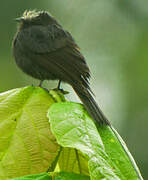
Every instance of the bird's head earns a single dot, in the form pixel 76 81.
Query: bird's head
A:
pixel 30 18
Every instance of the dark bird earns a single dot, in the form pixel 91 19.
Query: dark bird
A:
pixel 45 51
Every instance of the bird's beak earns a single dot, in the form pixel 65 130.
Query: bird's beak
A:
pixel 19 19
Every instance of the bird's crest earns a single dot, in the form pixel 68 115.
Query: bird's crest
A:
pixel 28 14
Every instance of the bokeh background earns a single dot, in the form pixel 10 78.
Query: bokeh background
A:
pixel 113 36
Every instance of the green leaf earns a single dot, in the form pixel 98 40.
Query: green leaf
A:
pixel 55 176
pixel 72 160
pixel 27 145
pixel 69 176
pixel 107 159
pixel 42 176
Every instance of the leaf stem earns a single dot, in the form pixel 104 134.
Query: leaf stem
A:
pixel 77 156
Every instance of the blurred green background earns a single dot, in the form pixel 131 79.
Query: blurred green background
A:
pixel 113 36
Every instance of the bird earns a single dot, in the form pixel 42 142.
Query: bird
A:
pixel 43 49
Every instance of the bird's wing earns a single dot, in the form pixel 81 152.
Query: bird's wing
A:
pixel 55 47
pixel 45 39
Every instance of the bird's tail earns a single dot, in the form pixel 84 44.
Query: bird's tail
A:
pixel 91 105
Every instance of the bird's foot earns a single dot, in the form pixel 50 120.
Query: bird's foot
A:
pixel 40 84
pixel 59 84
pixel 61 90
